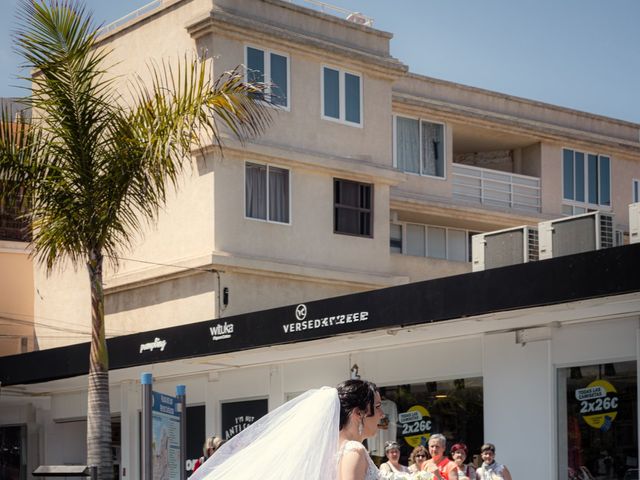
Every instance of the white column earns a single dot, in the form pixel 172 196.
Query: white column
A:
pixel 130 438
pixel 518 406
pixel 276 387
pixel 212 402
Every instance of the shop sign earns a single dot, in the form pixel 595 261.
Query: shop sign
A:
pixel 415 425
pixel 303 324
pixel 151 346
pixel 598 404
pixel 221 331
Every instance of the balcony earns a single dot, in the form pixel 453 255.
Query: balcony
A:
pixel 494 188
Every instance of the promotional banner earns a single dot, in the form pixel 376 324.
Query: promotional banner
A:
pixel 415 425
pixel 598 404
pixel 165 437
pixel 236 416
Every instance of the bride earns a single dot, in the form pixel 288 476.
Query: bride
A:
pixel 316 436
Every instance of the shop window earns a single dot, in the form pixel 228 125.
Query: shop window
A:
pixel 13 452
pixel 13 225
pixel 597 422
pixel 353 204
pixel 416 411
pixel 586 182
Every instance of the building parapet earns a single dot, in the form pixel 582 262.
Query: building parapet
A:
pixel 518 106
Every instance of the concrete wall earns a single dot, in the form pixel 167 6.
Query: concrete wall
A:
pixel 16 298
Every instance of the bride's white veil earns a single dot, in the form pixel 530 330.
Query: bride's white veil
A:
pixel 298 440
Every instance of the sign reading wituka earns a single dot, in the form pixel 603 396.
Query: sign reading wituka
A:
pixel 166 437
pixel 598 404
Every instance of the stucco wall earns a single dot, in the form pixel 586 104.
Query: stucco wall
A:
pixel 16 298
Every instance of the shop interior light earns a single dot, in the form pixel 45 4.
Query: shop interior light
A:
pixel 441 395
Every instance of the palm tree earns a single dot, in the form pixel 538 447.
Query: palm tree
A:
pixel 94 167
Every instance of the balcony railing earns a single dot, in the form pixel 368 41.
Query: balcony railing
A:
pixel 497 189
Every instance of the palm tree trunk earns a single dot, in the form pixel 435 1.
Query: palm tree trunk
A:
pixel 98 411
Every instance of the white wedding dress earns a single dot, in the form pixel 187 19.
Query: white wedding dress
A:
pixel 297 441
pixel 372 471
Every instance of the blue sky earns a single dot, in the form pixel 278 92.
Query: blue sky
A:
pixel 582 54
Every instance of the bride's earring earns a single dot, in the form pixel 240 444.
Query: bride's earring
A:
pixel 361 426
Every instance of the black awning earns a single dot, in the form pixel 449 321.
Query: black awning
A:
pixel 608 272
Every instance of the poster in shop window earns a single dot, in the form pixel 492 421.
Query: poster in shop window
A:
pixel 598 404
pixel 415 425
pixel 236 416
pixel 165 442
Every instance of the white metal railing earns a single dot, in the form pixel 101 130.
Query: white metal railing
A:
pixel 495 188
pixel 350 15
pixel 130 16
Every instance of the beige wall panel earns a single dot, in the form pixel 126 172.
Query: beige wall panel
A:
pixel 133 48
pixel 63 300
pixel 311 228
pixel 551 179
pixel 421 268
pixel 302 125
pixel 164 304
pixel 314 24
pixel 531 160
pixel 249 293
pixel 623 171
pixel 16 298
pixel 185 227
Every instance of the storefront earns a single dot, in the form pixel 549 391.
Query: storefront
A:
pixel 547 371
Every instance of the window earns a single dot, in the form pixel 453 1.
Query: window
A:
pixel 352 208
pixel 586 181
pixel 273 69
pixel 598 423
pixel 431 241
pixel 341 96
pixel 635 190
pixel 13 225
pixel 395 240
pixel 267 192
pixel 454 407
pixel 419 147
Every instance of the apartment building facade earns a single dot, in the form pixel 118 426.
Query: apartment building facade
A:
pixel 370 177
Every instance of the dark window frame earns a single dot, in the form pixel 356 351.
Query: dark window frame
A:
pixel 338 207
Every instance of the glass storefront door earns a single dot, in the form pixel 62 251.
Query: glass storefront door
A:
pixel 13 455
pixel 597 420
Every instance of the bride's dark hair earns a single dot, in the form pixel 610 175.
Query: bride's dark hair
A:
pixel 356 393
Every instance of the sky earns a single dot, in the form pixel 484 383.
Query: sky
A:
pixel 580 54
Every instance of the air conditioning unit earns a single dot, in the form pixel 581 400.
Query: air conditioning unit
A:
pixel 634 223
pixel 576 234
pixel 504 247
